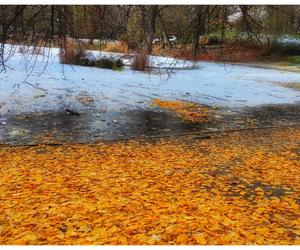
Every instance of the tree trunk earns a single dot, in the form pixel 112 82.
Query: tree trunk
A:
pixel 199 14
pixel 151 28
pixel 165 34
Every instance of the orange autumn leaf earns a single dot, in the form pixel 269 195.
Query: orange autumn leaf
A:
pixel 200 239
pixel 182 239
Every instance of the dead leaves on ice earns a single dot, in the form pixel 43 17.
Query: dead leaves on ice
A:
pixel 238 189
pixel 188 111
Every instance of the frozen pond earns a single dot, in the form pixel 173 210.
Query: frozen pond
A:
pixel 57 87
pixel 118 104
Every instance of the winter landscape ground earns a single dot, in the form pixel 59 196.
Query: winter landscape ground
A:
pixel 113 104
pixel 187 153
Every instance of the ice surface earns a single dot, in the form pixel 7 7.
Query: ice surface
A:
pixel 53 86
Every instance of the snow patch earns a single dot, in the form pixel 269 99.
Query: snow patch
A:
pixel 45 84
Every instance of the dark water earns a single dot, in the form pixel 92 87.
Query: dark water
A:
pixel 61 127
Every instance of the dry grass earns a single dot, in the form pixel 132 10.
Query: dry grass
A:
pixel 72 53
pixel 229 53
pixel 117 47
pixel 141 60
pixel 158 50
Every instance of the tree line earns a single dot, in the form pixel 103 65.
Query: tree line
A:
pixel 137 25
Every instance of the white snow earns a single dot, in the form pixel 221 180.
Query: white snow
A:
pixel 56 86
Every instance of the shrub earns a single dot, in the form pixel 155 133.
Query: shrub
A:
pixel 87 62
pixel 294 59
pixel 72 53
pixel 109 63
pixel 203 40
pixel 214 39
pixel 141 60
pixel 132 45
pixel 288 49
pixel 117 47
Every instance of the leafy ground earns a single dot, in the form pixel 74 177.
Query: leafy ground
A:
pixel 237 188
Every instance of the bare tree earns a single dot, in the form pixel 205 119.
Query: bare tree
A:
pixel 199 16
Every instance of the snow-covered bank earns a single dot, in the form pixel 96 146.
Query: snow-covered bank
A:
pixel 51 54
pixel 57 86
